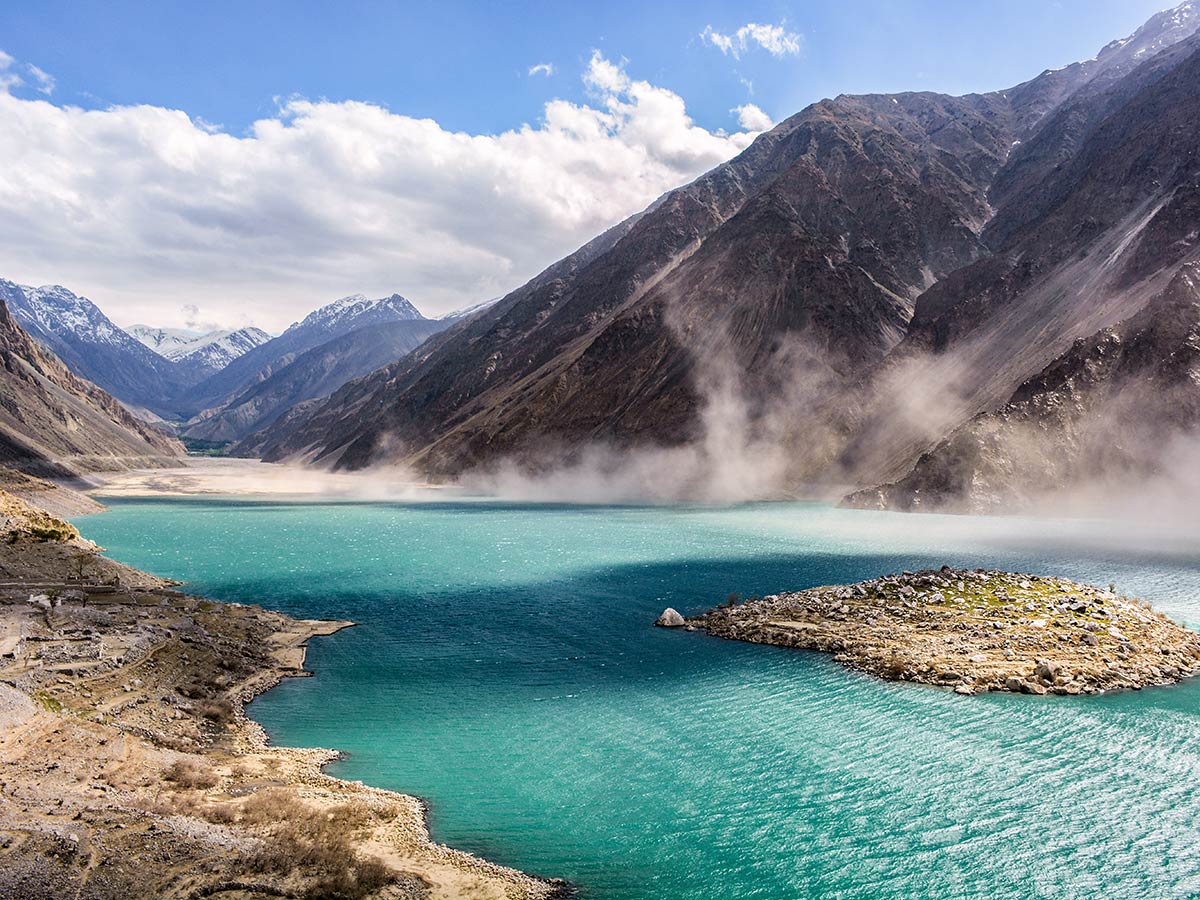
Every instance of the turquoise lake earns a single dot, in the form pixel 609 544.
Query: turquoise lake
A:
pixel 505 670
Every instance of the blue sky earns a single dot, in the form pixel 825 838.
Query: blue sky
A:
pixel 466 64
pixel 236 163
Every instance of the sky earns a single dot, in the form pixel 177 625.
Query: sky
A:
pixel 225 164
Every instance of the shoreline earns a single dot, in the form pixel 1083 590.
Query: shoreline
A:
pixel 132 769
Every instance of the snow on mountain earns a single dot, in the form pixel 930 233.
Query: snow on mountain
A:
pixel 331 321
pixel 467 311
pixel 218 349
pixel 357 309
pixel 165 341
pixel 52 309
pixel 213 349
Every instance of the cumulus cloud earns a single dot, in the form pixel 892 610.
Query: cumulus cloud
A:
pixel 775 39
pixel 752 118
pixel 546 69
pixel 148 210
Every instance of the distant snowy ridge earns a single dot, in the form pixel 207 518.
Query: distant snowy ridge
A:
pixel 214 349
pixel 357 308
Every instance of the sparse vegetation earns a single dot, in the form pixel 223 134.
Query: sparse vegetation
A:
pixel 189 774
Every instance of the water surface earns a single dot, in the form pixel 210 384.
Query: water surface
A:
pixel 504 669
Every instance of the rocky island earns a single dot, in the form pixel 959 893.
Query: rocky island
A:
pixel 973 631
pixel 128 768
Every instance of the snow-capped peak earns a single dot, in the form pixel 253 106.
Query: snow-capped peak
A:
pixel 210 350
pixel 1161 30
pixel 357 309
pixel 53 309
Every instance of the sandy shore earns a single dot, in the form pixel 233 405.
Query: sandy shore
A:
pixel 128 768
pixel 251 478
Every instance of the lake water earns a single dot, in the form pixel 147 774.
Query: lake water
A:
pixel 505 669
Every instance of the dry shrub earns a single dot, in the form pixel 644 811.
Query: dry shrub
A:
pixel 189 774
pixel 218 711
pixel 315 845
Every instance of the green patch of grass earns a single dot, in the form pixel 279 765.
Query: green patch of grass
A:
pixel 46 702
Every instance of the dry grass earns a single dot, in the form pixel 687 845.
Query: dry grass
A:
pixel 188 774
pixel 319 843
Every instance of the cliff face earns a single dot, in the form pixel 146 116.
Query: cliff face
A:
pixel 861 281
pixel 1121 406
pixel 1084 248
pixel 55 423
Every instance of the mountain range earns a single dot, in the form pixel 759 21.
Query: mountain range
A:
pixel 189 377
pixel 831 306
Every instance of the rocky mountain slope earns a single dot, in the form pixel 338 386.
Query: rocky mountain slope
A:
pixel 863 279
pixel 313 374
pixel 53 423
pixel 91 346
pixel 1123 402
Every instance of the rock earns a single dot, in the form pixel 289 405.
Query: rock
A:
pixel 1046 671
pixel 1090 639
pixel 964 689
pixel 1032 687
pixel 670 619
pixel 1014 684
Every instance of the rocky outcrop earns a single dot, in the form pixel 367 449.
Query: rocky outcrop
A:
pixel 974 631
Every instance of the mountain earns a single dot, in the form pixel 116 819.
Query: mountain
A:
pixel 318 327
pixel 1120 406
pixel 1085 246
pixel 165 341
pixel 863 279
pixel 53 423
pixel 200 353
pixel 313 374
pixel 91 346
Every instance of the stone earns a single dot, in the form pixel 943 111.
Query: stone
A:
pixel 1032 687
pixel 1046 671
pixel 1013 683
pixel 670 619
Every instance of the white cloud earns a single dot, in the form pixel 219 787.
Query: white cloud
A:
pixel 8 77
pixel 546 69
pixel 752 118
pixel 147 210
pixel 775 39
pixel 11 73
pixel 45 83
